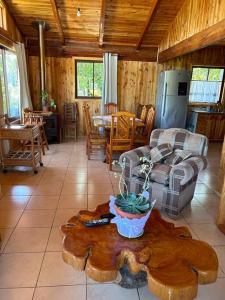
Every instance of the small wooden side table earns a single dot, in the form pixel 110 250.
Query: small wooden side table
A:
pixel 174 262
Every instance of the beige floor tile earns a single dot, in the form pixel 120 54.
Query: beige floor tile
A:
pixel 208 200
pixel 213 291
pixel 76 170
pixel 62 216
pixel 55 271
pixel 48 189
pixel 17 294
pixel 196 214
pixel 17 190
pixel 75 178
pixel 96 179
pixel 110 292
pixel 220 251
pixel 209 233
pixel 37 218
pixel 73 201
pixel 78 164
pixel 9 218
pixel 55 240
pixel 28 240
pixel 13 202
pixel 43 202
pixel 145 294
pixel 100 189
pixel 4 234
pixel 95 200
pixel 74 189
pixel 97 164
pixel 19 269
pixel 201 188
pixel 77 292
pixel 98 172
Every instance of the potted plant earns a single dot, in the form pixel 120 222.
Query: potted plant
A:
pixel 132 210
pixel 44 99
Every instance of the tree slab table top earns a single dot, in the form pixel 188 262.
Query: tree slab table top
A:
pixel 174 262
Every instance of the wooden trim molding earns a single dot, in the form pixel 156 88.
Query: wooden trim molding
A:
pixel 102 23
pixel 58 21
pixel 151 14
pixel 197 41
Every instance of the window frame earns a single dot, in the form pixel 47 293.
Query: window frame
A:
pixel 2 16
pixel 222 85
pixel 76 61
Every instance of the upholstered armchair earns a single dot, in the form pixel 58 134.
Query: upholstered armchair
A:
pixel 172 185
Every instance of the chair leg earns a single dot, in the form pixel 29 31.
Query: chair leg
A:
pixel 45 139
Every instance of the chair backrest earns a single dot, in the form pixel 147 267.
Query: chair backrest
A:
pixel 110 108
pixel 143 113
pixel 149 122
pixel 87 119
pixel 122 128
pixel 180 138
pixel 139 108
pixel 69 112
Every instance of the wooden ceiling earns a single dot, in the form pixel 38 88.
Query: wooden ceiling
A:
pixel 125 26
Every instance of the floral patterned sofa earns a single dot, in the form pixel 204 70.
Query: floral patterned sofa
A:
pixel 172 185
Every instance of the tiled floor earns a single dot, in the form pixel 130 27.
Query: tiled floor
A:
pixel 32 208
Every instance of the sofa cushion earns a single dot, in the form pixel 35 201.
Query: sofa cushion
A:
pixel 159 152
pixel 177 156
pixel 160 173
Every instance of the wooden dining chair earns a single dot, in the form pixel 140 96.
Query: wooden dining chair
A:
pixel 121 135
pixel 94 140
pixel 142 110
pixel 69 125
pixel 143 139
pixel 110 108
pixel 31 119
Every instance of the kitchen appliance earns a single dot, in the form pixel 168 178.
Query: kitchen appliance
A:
pixel 172 99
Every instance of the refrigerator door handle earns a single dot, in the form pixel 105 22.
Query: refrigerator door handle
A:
pixel 164 100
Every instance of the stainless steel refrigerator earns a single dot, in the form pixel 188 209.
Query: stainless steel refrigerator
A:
pixel 172 99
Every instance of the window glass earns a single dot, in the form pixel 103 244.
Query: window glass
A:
pixel 206 84
pixel 89 76
pixel 10 85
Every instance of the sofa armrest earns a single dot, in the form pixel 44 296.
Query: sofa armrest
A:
pixel 132 159
pixel 186 170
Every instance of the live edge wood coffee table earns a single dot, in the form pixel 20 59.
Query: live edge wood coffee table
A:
pixel 172 263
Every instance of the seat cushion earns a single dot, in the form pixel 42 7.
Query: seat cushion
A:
pixel 160 173
pixel 160 152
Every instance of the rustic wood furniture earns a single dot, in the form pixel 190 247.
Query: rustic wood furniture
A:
pixel 121 135
pixel 33 119
pixel 174 262
pixel 110 108
pixel 95 141
pixel 143 137
pixel 106 120
pixel 13 157
pixel 69 124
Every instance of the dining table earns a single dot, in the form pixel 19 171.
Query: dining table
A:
pixel 104 121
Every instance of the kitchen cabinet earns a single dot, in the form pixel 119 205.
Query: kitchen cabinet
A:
pixel 210 124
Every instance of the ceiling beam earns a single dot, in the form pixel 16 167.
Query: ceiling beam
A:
pixel 202 39
pixel 58 21
pixel 151 14
pixel 102 23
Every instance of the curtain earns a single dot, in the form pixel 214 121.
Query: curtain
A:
pixel 25 99
pixel 109 91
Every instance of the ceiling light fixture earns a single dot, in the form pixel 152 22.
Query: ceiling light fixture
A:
pixel 78 11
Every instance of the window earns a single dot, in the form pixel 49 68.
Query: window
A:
pixel 89 78
pixel 206 84
pixel 10 86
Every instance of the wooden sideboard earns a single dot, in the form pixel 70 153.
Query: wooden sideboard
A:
pixel 211 124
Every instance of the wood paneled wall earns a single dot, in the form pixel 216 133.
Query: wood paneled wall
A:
pixel 194 16
pixel 136 84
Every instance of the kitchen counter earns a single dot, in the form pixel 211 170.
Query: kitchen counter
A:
pixel 199 111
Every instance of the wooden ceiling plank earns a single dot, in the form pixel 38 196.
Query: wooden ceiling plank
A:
pixel 202 39
pixel 151 14
pixel 102 23
pixel 58 21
